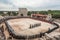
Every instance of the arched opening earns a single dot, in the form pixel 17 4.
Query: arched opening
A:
pixel 21 14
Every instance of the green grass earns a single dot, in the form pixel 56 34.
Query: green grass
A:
pixel 55 13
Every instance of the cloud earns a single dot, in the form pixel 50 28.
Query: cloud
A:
pixel 33 4
pixel 28 3
pixel 36 4
pixel 6 6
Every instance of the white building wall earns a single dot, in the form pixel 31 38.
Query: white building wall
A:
pixel 23 11
pixel 49 17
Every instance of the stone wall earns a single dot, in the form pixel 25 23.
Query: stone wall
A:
pixel 22 12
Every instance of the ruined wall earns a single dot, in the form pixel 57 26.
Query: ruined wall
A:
pixel 23 11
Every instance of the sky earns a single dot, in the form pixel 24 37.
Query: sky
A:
pixel 31 5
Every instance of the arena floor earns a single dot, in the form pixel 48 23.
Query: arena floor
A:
pixel 22 25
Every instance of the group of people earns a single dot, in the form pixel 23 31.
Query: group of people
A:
pixel 35 25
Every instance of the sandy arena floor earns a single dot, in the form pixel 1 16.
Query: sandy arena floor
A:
pixel 21 26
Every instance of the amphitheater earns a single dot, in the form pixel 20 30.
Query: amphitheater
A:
pixel 28 28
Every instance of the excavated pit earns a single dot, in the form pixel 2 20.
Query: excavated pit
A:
pixel 23 28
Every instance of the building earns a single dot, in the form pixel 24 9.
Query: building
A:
pixel 43 17
pixel 22 12
pixel 40 16
pixel 49 17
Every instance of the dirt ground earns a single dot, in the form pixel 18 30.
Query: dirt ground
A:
pixel 21 26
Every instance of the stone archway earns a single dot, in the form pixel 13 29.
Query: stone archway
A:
pixel 21 14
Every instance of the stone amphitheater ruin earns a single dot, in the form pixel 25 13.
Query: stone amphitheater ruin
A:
pixel 22 27
pixel 28 28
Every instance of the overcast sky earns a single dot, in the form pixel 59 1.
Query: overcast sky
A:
pixel 30 4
